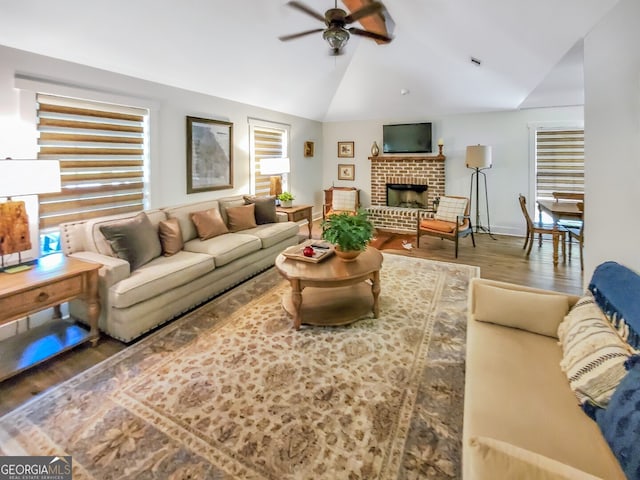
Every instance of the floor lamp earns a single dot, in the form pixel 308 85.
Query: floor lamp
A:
pixel 479 159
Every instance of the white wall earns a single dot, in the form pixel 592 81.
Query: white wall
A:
pixel 612 139
pixel 169 108
pixel 507 132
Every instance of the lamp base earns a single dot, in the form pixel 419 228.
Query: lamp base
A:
pixel 275 185
pixel 20 267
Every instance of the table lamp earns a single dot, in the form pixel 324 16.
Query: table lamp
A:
pixel 18 178
pixel 275 167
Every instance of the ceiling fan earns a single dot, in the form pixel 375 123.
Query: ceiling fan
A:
pixel 336 20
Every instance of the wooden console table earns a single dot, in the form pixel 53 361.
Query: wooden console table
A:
pixel 54 280
pixel 298 212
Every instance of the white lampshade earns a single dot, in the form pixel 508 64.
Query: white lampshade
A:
pixel 478 156
pixel 274 166
pixel 29 177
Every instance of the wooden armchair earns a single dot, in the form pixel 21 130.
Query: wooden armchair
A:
pixel 451 221
pixel 339 200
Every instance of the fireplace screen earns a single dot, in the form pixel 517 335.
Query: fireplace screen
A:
pixel 407 195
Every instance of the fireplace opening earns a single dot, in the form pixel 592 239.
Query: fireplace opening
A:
pixel 407 195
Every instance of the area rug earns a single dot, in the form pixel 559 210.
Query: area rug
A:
pixel 231 391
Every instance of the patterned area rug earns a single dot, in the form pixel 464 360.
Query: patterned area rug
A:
pixel 231 391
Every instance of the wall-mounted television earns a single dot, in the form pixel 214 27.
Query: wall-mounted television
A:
pixel 406 138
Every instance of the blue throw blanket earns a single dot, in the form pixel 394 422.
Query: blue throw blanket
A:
pixel 616 289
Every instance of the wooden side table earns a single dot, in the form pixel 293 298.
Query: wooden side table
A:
pixel 299 212
pixel 54 280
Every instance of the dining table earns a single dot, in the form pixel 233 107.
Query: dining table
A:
pixel 559 210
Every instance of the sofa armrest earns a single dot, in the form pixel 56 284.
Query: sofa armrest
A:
pixel 282 217
pixel 531 309
pixel 113 269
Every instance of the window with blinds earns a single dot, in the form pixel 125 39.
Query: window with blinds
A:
pixel 559 162
pixel 267 142
pixel 101 149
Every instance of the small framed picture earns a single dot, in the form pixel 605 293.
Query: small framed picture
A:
pixel 308 149
pixel 346 149
pixel 346 171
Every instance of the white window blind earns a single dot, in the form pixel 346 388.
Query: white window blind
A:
pixel 559 162
pixel 268 142
pixel 101 149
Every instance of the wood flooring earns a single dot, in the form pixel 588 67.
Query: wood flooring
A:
pixel 500 259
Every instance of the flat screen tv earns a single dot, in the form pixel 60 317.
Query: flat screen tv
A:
pixel 406 138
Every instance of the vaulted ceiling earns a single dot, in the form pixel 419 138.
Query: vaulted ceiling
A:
pixel 530 52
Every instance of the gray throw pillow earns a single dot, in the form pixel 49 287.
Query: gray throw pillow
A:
pixel 133 239
pixel 265 208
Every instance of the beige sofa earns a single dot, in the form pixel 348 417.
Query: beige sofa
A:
pixel 521 419
pixel 133 302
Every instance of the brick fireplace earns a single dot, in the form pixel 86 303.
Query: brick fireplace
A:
pixel 408 172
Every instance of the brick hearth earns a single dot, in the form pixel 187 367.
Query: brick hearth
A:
pixel 398 169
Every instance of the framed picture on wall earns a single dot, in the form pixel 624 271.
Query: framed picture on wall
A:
pixel 346 171
pixel 209 155
pixel 346 149
pixel 308 149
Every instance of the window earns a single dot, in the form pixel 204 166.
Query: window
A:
pixel 268 140
pixel 102 149
pixel 559 162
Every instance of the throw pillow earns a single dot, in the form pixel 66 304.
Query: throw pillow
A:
pixel 170 236
pixel 620 422
pixel 209 223
pixel 490 456
pixel 133 239
pixel 344 200
pixel 450 208
pixel 593 354
pixel 535 312
pixel 265 208
pixel 241 218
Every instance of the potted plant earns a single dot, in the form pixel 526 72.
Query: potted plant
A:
pixel 350 233
pixel 286 199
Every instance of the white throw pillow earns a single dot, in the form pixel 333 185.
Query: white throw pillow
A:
pixel 450 208
pixel 344 200
pixel 493 459
pixel 531 311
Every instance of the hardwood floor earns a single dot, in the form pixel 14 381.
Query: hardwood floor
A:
pixel 500 259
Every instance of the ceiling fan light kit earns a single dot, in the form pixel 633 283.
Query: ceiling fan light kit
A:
pixel 336 20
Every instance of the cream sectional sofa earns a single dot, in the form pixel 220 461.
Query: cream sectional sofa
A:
pixel 521 418
pixel 133 302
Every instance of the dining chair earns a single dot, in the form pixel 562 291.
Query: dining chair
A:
pixel 540 228
pixel 578 235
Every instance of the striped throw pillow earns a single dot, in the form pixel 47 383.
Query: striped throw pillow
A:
pixel 450 208
pixel 344 200
pixel 593 353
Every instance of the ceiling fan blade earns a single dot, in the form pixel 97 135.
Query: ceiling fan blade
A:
pixel 284 38
pixel 365 11
pixel 303 8
pixel 367 33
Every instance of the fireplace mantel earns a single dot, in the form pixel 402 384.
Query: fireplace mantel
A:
pixel 395 158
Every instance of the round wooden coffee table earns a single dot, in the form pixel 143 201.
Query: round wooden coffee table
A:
pixel 331 292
